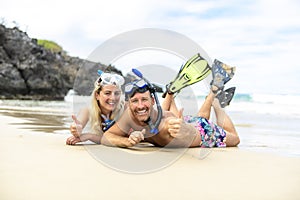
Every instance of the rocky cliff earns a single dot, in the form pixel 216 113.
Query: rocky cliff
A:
pixel 29 71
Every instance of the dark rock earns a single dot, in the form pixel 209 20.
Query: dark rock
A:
pixel 29 71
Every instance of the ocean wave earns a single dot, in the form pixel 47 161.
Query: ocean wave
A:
pixel 267 98
pixel 267 104
pixel 255 103
pixel 261 103
pixel 276 99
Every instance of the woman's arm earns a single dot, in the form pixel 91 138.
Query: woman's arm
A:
pixel 84 137
pixel 79 122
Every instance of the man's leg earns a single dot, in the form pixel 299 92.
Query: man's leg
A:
pixel 169 104
pixel 206 106
pixel 224 121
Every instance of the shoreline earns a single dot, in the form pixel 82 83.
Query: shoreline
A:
pixel 38 165
pixel 258 133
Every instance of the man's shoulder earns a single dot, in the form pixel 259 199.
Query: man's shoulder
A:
pixel 125 115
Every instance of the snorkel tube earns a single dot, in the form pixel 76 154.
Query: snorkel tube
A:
pixel 153 126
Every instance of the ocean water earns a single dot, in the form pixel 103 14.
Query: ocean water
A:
pixel 268 122
pixel 265 123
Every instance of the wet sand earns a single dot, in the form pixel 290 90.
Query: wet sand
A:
pixel 36 164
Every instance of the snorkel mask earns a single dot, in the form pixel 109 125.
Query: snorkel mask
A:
pixel 142 85
pixel 109 79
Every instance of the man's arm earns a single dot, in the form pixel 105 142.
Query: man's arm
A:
pixel 183 134
pixel 114 136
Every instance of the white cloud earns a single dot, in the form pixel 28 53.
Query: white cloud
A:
pixel 257 36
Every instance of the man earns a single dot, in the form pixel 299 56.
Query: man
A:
pixel 173 131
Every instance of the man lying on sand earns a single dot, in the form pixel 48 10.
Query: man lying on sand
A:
pixel 173 131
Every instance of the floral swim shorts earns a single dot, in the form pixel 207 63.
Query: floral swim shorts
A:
pixel 212 135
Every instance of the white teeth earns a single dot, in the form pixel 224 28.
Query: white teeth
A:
pixel 141 112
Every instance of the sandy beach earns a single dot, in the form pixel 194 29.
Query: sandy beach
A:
pixel 38 165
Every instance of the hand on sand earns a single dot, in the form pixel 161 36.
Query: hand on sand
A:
pixel 136 137
pixel 73 140
pixel 83 137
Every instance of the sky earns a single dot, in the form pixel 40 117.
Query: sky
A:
pixel 260 37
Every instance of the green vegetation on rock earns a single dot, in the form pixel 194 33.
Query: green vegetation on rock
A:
pixel 52 46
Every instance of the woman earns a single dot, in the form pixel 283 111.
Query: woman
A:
pixel 107 105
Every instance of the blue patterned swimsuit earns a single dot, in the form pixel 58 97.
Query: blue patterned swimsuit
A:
pixel 212 135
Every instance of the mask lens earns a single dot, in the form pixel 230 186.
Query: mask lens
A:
pixel 129 87
pixel 132 87
pixel 111 79
pixel 141 83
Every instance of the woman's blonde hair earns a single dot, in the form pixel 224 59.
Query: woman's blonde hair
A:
pixel 95 109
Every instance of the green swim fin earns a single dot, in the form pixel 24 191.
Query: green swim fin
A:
pixel 193 71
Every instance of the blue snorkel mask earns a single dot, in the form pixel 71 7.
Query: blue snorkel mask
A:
pixel 142 85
